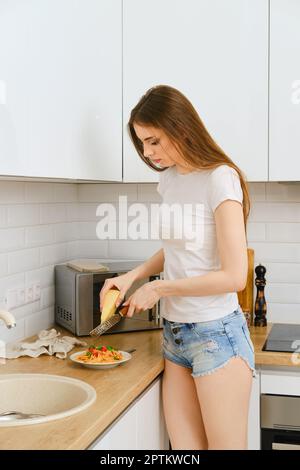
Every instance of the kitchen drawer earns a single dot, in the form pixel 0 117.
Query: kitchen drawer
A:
pixel 280 382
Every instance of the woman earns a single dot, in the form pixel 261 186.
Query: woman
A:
pixel 209 360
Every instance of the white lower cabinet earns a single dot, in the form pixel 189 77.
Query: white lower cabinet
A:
pixel 141 427
pixel 280 382
pixel 254 415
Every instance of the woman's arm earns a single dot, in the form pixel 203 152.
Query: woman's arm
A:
pixel 232 247
pixel 153 265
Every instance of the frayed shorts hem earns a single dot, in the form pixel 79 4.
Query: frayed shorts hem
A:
pixel 178 363
pixel 211 371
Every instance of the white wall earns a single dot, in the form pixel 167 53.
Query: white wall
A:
pixel 273 232
pixel 42 224
pixel 37 230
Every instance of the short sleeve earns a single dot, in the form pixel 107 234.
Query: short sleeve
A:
pixel 224 184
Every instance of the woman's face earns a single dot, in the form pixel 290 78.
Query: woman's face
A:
pixel 159 148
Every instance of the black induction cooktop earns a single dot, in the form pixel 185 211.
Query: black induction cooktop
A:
pixel 283 338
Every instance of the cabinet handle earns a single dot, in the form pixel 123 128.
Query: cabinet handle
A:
pixel 280 446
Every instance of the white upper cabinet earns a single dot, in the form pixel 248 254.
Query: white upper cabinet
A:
pixel 284 90
pixel 61 89
pixel 216 53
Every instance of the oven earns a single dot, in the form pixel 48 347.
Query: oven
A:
pixel 280 422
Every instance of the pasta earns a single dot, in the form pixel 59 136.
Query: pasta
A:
pixel 100 354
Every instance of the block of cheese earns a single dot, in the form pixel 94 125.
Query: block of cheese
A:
pixel 109 304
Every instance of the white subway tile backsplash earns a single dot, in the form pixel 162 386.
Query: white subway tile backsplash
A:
pixel 256 232
pixel 45 276
pixel 12 192
pixel 276 252
pixel 23 215
pixel 275 212
pixel 43 224
pixel 72 212
pixel 73 249
pixel 3 216
pixel 282 273
pixel 87 230
pixel 47 297
pixel 283 313
pixel 3 265
pixel 141 249
pixel 87 212
pixel 12 239
pixel 26 310
pixel 92 249
pixel 39 192
pixel 11 282
pixel 12 335
pixel 283 192
pixel 65 232
pixel 148 193
pixel 66 192
pixel 39 321
pixel 39 235
pixel 53 213
pixel 257 192
pixel 284 293
pixel 283 232
pixel 106 192
pixel 53 254
pixel 23 260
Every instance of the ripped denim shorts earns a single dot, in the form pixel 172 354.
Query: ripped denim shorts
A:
pixel 207 346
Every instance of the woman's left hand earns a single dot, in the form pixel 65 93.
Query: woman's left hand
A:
pixel 143 298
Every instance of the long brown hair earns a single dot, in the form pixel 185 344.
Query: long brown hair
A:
pixel 166 108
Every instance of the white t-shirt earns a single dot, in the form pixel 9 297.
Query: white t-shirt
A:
pixel 194 251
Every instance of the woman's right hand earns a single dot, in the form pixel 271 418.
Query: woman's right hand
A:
pixel 123 283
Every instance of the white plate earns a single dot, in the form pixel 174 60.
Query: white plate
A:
pixel 105 365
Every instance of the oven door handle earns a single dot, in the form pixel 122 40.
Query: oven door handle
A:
pixel 284 446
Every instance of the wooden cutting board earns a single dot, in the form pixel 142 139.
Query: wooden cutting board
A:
pixel 87 266
pixel 245 296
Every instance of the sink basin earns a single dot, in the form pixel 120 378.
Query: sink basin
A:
pixel 51 396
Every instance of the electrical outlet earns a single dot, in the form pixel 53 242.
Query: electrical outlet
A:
pixel 36 291
pixel 21 296
pixel 28 294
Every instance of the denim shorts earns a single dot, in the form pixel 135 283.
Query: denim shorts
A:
pixel 205 347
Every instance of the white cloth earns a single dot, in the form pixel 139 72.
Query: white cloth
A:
pixel 49 342
pixel 198 194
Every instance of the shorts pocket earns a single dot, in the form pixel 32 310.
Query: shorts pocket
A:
pixel 247 336
pixel 207 332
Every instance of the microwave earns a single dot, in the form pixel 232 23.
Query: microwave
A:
pixel 77 302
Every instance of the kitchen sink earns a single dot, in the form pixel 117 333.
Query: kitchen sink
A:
pixel 40 398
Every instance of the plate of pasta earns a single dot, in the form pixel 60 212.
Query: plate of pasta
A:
pixel 100 357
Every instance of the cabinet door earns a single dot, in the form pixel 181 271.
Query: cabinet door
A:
pixel 254 415
pixel 284 90
pixel 216 53
pixel 151 427
pixel 140 427
pixel 122 434
pixel 61 89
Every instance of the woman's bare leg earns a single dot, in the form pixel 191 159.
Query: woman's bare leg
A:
pixel 224 397
pixel 181 407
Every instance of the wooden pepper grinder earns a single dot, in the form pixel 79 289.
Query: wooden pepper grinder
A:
pixel 260 301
